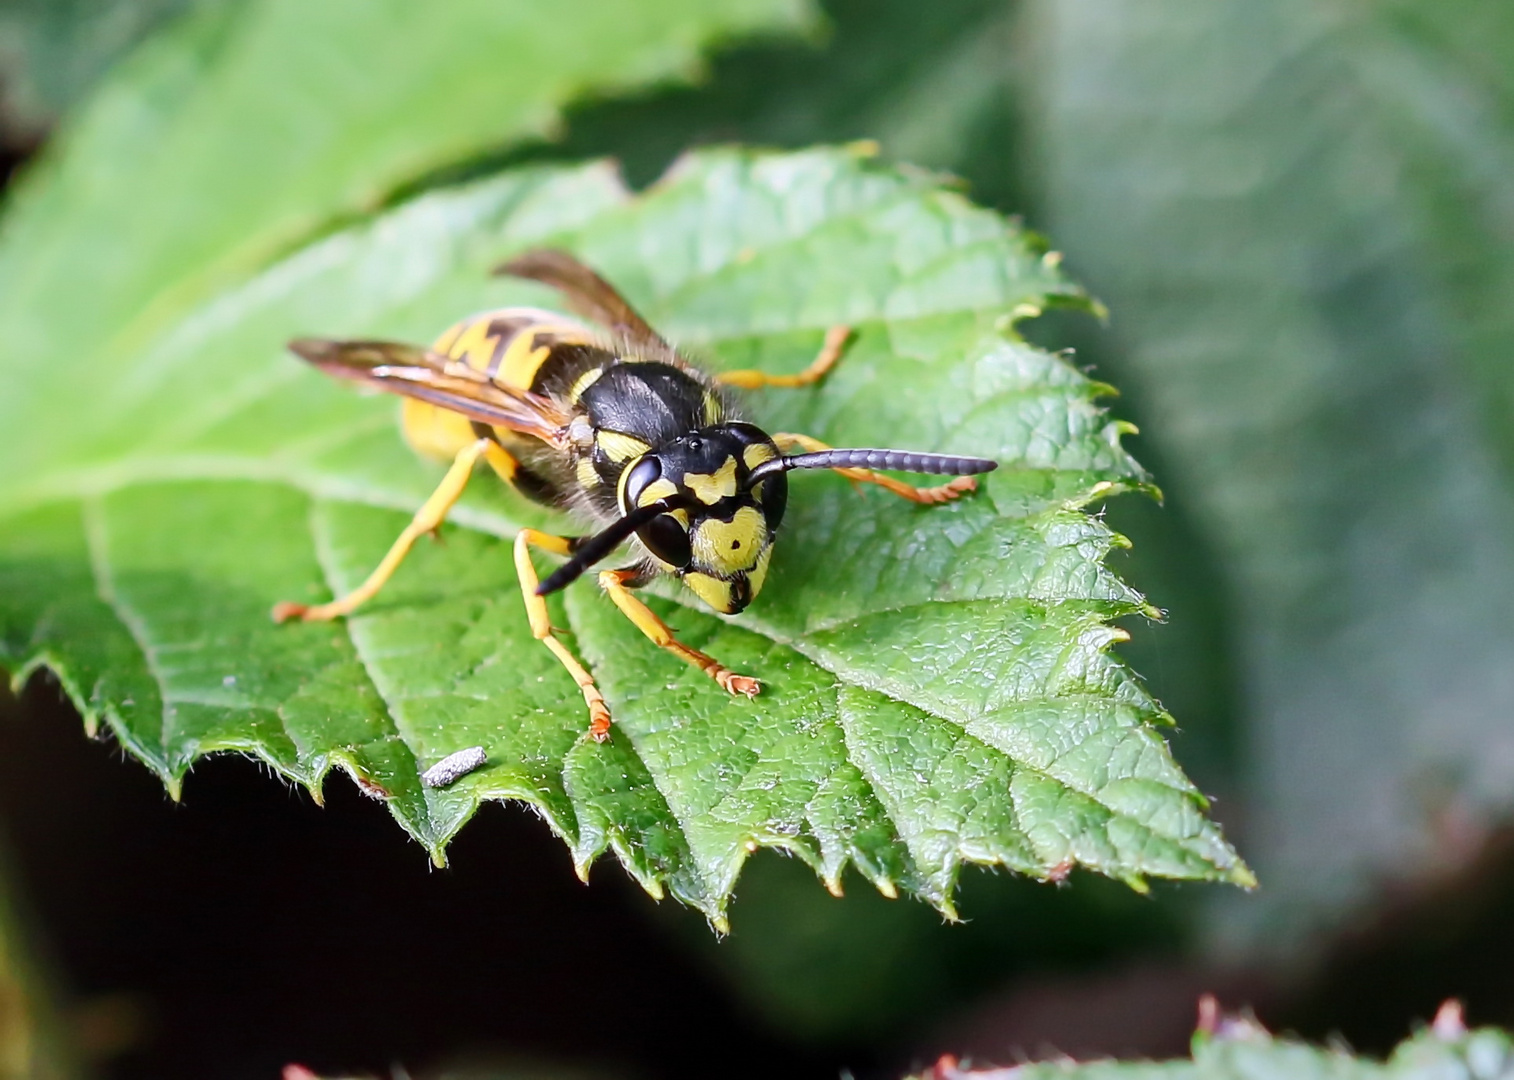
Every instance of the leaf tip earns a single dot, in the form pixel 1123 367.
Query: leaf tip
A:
pixel 1240 874
pixel 833 886
pixel 1450 1021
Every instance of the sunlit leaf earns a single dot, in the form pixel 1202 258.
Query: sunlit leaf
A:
pixel 939 685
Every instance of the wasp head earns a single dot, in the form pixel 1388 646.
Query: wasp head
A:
pixel 720 542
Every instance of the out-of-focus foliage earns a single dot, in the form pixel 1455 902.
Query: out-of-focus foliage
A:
pixel 53 52
pixel 32 1043
pixel 1304 215
pixel 1240 1050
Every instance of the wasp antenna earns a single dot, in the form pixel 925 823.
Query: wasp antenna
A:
pixel 900 460
pixel 591 549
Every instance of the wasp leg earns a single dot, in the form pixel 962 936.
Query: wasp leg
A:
pixel 541 626
pixel 619 583
pixel 427 518
pixel 939 494
pixel 835 344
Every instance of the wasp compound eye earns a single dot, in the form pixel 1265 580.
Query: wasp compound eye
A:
pixel 773 495
pixel 666 538
pixel 642 475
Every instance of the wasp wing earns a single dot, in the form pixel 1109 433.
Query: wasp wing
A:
pixel 427 376
pixel 587 294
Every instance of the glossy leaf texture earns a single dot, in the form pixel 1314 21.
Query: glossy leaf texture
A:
pixel 939 685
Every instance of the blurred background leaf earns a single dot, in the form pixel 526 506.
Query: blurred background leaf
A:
pixel 53 52
pixel 1240 1048
pixel 1288 208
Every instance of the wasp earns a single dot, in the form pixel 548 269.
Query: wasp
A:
pixel 618 426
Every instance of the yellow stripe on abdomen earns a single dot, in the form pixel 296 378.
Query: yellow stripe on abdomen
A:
pixel 529 348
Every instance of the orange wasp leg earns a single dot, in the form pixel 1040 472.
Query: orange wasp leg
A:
pixel 541 624
pixel 429 517
pixel 835 344
pixel 615 583
pixel 941 493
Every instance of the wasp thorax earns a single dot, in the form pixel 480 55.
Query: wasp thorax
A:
pixel 720 540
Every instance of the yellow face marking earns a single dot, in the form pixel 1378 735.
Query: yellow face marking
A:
pixel 657 489
pixel 588 476
pixel 620 447
pixel 759 572
pixel 757 453
pixel 475 345
pixel 729 547
pixel 711 489
pixel 712 408
pixel 711 590
pixel 583 382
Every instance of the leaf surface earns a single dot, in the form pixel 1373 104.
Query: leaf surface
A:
pixel 939 686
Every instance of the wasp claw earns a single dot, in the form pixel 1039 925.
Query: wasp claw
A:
pixel 285 610
pixel 739 684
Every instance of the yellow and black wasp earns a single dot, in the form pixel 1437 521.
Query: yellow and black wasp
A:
pixel 620 428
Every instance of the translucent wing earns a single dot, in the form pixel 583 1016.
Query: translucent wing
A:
pixel 427 376
pixel 586 292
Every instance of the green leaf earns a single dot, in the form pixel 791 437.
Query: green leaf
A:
pixel 1241 1050
pixel 938 683
pixel 1307 239
pixel 247 127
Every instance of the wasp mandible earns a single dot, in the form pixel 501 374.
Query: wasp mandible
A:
pixel 620 428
